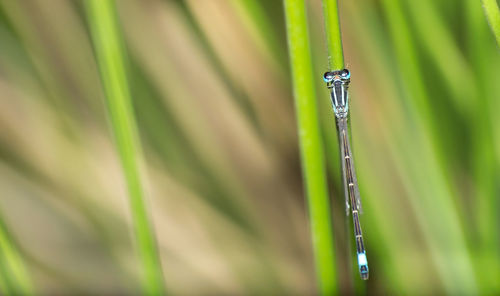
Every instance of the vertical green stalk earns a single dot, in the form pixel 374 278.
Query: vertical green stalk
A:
pixel 493 15
pixel 433 192
pixel 333 35
pixel 311 145
pixel 111 60
pixel 14 279
pixel 485 163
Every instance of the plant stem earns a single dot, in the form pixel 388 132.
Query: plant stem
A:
pixel 14 279
pixel 493 15
pixel 311 145
pixel 333 35
pixel 454 266
pixel 111 60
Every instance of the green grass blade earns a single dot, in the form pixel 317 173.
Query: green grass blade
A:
pixel 311 144
pixel 255 17
pixel 333 34
pixel 444 51
pixel 493 15
pixel 14 279
pixel 484 56
pixel 111 60
pixel 454 267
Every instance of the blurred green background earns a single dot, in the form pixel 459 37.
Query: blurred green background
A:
pixel 212 97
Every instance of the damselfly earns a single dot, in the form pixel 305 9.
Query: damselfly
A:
pixel 338 83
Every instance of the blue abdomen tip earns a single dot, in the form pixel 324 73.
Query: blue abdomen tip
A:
pixel 363 266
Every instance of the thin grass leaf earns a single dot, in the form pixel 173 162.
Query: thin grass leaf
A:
pixel 311 146
pixel 493 15
pixel 450 265
pixel 486 161
pixel 256 19
pixel 111 60
pixel 333 34
pixel 444 51
pixel 14 279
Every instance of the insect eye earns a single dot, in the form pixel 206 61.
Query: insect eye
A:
pixel 346 74
pixel 328 76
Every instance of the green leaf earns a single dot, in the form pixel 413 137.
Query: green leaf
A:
pixel 111 59
pixel 311 145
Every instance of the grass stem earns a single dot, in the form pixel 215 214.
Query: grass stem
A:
pixel 333 35
pixel 14 279
pixel 493 15
pixel 111 60
pixel 311 146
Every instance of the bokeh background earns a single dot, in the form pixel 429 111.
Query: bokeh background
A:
pixel 211 89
